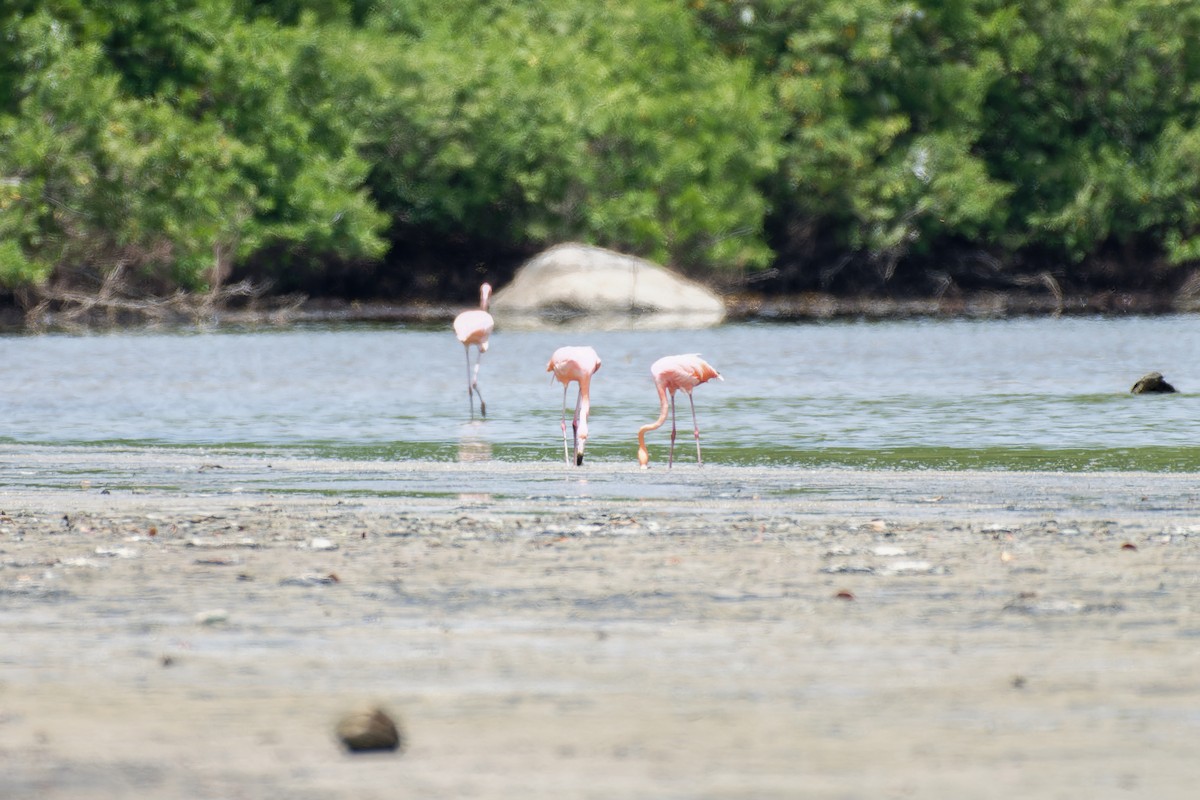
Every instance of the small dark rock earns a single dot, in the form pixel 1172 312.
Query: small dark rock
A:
pixel 369 730
pixel 1152 383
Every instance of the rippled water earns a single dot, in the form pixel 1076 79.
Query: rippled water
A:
pixel 1013 394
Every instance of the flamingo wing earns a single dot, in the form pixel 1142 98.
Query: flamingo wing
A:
pixel 683 371
pixel 474 327
pixel 573 363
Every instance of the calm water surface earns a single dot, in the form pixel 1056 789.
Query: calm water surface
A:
pixel 1012 394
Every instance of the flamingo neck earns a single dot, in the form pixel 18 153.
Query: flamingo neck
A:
pixel 583 406
pixel 643 453
pixel 585 400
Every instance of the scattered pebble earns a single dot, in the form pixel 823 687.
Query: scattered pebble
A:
pixel 217 562
pixel 246 542
pixel 216 616
pixel 1026 604
pixel 911 568
pixel 312 579
pixel 117 552
pixel 321 544
pixel 843 569
pixel 369 730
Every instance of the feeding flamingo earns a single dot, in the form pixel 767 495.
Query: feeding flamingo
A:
pixel 672 373
pixel 473 328
pixel 577 364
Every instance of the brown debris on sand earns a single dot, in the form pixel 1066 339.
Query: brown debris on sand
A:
pixel 369 730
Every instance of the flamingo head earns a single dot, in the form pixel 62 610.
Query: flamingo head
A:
pixel 643 457
pixel 485 295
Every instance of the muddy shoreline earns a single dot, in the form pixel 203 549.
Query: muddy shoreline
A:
pixel 193 625
pixel 806 307
pixel 818 306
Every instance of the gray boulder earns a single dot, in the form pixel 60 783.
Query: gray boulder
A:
pixel 1152 383
pixel 581 286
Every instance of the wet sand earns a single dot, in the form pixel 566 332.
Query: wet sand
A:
pixel 193 625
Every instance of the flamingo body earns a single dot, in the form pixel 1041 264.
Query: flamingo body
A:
pixel 672 374
pixel 577 364
pixel 474 327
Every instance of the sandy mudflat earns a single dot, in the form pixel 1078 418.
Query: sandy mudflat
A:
pixel 191 625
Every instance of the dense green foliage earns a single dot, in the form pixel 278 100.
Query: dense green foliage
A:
pixel 1053 129
pixel 848 144
pixel 169 140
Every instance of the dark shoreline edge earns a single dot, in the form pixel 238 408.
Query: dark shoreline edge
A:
pixel 807 307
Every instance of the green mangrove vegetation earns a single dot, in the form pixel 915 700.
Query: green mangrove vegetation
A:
pixel 390 147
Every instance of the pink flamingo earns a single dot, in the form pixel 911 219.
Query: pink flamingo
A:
pixel 577 364
pixel 672 373
pixel 473 328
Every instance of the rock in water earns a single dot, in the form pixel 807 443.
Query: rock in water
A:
pixel 1152 383
pixel 369 730
pixel 601 289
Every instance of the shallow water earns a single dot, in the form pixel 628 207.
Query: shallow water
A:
pixel 1011 394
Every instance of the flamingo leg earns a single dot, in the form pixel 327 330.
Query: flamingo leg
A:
pixel 575 429
pixel 695 429
pixel 671 455
pixel 470 390
pixel 566 452
pixel 475 384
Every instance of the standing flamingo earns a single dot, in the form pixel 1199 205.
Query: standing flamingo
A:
pixel 672 373
pixel 473 328
pixel 577 364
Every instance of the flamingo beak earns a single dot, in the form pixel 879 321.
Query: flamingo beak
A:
pixel 643 458
pixel 580 444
